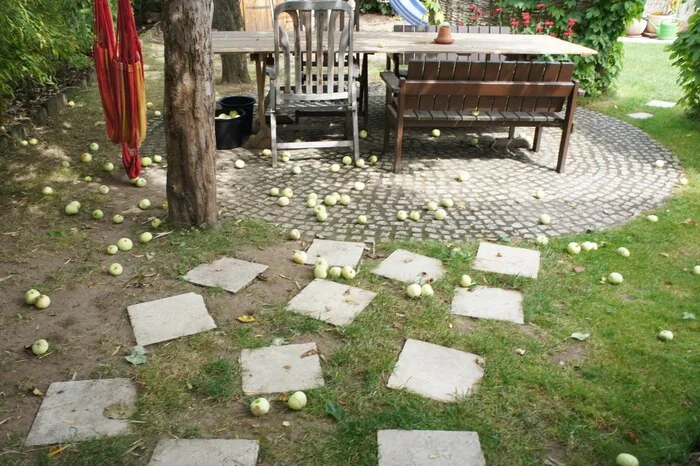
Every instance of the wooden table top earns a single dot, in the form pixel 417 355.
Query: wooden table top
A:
pixel 407 42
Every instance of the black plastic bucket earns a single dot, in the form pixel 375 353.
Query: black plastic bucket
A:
pixel 241 104
pixel 229 132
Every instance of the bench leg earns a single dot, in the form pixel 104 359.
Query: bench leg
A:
pixel 563 149
pixel 511 132
pixel 536 141
pixel 399 143
pixel 386 134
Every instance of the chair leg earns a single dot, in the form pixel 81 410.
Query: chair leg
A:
pixel 386 134
pixel 563 150
pixel 355 135
pixel 511 132
pixel 273 138
pixel 399 143
pixel 536 141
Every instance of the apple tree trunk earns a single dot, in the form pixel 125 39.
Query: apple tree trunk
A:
pixel 228 17
pixel 189 113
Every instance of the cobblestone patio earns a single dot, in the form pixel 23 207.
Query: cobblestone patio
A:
pixel 610 177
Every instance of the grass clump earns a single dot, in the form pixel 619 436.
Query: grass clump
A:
pixel 216 379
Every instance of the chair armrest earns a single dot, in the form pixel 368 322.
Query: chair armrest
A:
pixel 391 80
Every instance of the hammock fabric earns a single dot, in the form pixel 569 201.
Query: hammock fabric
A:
pixel 120 78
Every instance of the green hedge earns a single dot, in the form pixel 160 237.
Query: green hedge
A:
pixel 38 38
pixel 685 53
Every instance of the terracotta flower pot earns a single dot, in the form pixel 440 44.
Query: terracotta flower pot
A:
pixel 444 35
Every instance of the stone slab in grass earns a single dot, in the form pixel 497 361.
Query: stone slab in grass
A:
pixel 429 447
pixel 276 369
pixel 507 260
pixel 227 273
pixel 488 303
pixel 661 104
pixel 409 267
pixel 331 302
pixel 212 452
pixel 336 253
pixel 73 411
pixel 640 115
pixel 169 318
pixel 437 372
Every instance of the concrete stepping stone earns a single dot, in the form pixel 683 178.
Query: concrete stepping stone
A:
pixel 276 369
pixel 169 318
pixel 228 273
pixel 507 260
pixel 488 303
pixel 409 267
pixel 73 411
pixel 212 452
pixel 661 104
pixel 336 253
pixel 429 447
pixel 640 115
pixel 331 302
pixel 437 372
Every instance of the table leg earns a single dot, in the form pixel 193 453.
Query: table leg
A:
pixel 261 140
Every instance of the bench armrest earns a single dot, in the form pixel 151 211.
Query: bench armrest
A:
pixel 391 80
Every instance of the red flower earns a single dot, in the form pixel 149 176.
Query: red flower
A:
pixel 479 12
pixel 548 24
pixel 498 11
pixel 460 23
pixel 472 7
pixel 526 16
pixel 568 33
pixel 541 6
pixel 552 34
pixel 474 19
pixel 540 28
pixel 571 22
pixel 514 23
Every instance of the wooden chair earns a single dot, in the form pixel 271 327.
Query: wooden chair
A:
pixel 322 78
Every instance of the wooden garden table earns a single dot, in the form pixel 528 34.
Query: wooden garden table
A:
pixel 261 45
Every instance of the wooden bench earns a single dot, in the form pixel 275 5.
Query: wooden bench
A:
pixel 455 94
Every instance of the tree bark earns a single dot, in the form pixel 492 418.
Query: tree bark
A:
pixel 228 17
pixel 189 113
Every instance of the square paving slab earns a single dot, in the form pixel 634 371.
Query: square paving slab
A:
pixel 429 447
pixel 331 302
pixel 437 372
pixel 488 303
pixel 168 318
pixel 336 253
pixel 507 260
pixel 640 115
pixel 73 411
pixel 277 369
pixel 661 104
pixel 210 452
pixel 228 273
pixel 408 267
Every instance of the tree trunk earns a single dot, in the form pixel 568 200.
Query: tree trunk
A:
pixel 189 113
pixel 228 17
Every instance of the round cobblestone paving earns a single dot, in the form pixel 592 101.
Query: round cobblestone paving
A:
pixel 610 177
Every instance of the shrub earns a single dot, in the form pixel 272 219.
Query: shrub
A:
pixel 375 6
pixel 37 38
pixel 685 53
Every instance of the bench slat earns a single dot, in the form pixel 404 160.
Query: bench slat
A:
pixel 475 89
pixel 521 73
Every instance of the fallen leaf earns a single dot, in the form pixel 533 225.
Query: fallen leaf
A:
pixel 245 318
pixel 119 410
pixel 37 392
pixel 283 397
pixel 690 221
pixel 277 341
pixel 578 268
pixel 137 356
pixel 311 352
pixel 664 254
pixel 335 410
pixel 688 316
pixel 53 451
pixel 287 366
pixel 632 437
pixel 285 424
pixel 580 336
pixel 519 351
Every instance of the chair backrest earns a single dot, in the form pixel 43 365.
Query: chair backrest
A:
pixel 321 29
pixel 509 86
pixel 457 29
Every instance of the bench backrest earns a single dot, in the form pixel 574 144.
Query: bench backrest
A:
pixel 487 86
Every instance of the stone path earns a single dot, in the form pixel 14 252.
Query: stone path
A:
pixel 334 303
pixel 210 452
pixel 228 273
pixel 507 260
pixel 609 179
pixel 409 267
pixel 429 447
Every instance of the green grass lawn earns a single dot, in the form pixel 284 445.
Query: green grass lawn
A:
pixel 562 401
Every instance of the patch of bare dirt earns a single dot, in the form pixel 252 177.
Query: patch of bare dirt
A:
pixel 574 353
